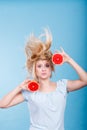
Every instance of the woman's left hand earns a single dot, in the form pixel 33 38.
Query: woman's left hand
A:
pixel 66 57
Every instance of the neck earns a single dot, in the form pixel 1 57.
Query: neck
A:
pixel 44 84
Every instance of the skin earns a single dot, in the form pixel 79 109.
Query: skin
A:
pixel 43 72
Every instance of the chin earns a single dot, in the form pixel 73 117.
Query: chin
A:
pixel 44 77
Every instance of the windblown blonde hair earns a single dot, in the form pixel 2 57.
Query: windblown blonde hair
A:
pixel 38 48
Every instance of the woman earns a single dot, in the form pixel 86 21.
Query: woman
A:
pixel 47 104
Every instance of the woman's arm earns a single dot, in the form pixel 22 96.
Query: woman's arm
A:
pixel 82 81
pixel 14 97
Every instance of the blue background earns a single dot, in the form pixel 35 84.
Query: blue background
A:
pixel 67 20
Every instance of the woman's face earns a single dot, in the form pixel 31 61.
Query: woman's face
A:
pixel 43 69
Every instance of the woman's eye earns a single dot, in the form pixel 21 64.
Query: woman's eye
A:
pixel 39 66
pixel 47 65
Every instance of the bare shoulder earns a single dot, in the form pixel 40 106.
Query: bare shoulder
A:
pixel 54 85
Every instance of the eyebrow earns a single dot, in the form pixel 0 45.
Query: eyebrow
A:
pixel 44 63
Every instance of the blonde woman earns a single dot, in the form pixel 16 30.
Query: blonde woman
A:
pixel 47 104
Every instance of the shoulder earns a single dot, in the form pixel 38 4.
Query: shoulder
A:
pixel 62 82
pixel 62 85
pixel 25 94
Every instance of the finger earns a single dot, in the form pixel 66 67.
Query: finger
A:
pixel 56 51
pixel 27 80
pixel 62 49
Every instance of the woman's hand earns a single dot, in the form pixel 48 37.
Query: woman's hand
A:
pixel 15 96
pixel 24 84
pixel 66 57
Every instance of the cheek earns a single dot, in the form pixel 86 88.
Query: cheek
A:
pixel 37 70
pixel 49 71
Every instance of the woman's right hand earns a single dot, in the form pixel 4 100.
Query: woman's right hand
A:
pixel 15 96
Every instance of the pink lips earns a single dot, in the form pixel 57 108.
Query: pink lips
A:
pixel 43 73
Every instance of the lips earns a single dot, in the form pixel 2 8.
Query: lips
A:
pixel 43 73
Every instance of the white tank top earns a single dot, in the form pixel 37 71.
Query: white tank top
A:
pixel 47 109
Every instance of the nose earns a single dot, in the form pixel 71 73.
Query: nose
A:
pixel 43 68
